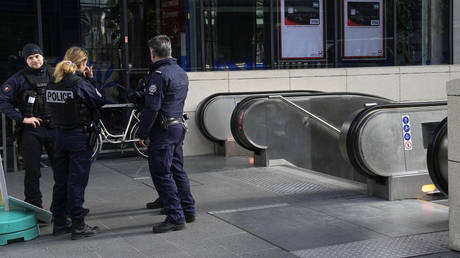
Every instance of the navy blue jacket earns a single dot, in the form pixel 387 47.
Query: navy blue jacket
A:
pixel 89 92
pixel 165 94
pixel 11 94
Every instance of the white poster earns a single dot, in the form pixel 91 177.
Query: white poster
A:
pixel 363 28
pixel 302 33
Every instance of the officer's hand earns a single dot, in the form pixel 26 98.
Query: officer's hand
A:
pixel 142 143
pixel 88 72
pixel 35 121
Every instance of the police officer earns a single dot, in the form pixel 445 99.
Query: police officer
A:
pixel 137 97
pixel 26 90
pixel 73 100
pixel 162 122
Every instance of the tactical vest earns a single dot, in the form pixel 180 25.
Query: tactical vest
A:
pixel 34 99
pixel 66 108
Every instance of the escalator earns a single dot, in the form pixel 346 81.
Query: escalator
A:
pixel 214 112
pixel 274 130
pixel 355 136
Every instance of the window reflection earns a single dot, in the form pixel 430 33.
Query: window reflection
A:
pixel 101 36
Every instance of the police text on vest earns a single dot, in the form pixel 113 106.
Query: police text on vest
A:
pixel 58 96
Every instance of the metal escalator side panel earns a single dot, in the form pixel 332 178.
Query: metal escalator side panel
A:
pixel 378 144
pixel 349 142
pixel 291 135
pixel 215 111
pixel 437 157
pixel 216 117
pixel 236 125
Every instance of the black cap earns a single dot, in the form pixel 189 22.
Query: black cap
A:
pixel 31 49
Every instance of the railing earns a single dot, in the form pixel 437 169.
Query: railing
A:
pixel 308 113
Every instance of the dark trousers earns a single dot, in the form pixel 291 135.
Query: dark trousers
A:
pixel 168 175
pixel 72 165
pixel 33 141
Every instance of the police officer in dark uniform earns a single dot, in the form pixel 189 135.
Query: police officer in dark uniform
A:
pixel 163 123
pixel 26 90
pixel 73 100
pixel 137 97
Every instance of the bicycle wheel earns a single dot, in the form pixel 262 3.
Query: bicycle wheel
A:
pixel 141 150
pixel 97 148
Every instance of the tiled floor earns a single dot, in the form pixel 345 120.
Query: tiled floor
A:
pixel 242 212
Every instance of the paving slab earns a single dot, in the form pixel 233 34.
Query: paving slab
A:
pixel 243 211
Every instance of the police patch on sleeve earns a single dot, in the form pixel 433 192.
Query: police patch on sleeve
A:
pixel 152 89
pixel 6 88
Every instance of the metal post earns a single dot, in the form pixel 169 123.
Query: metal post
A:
pixel 3 189
pixel 5 144
pixel 336 42
pixel 15 149
pixel 202 36
pixel 272 36
pixel 124 11
pixel 395 32
pixel 39 23
pixel 451 32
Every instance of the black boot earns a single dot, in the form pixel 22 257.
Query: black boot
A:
pixel 81 230
pixel 189 217
pixel 62 226
pixel 157 204
pixel 85 211
pixel 167 226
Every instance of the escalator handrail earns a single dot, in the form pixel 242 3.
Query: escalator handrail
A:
pixel 352 137
pixel 239 112
pixel 202 106
pixel 432 160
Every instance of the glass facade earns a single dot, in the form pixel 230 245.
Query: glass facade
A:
pixel 210 35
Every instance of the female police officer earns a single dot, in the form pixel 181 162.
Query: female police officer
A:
pixel 26 91
pixel 73 99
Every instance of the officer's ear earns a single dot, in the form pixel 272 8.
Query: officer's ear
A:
pixel 152 55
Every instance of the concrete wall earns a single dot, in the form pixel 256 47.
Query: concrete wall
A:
pixel 405 83
pixel 456 31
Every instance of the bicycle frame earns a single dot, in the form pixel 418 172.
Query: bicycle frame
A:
pixel 119 138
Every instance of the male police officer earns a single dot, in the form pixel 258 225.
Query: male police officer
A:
pixel 162 121
pixel 26 90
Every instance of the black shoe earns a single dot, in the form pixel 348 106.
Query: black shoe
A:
pixel 84 231
pixel 35 203
pixel 167 226
pixel 189 218
pixel 85 212
pixel 62 229
pixel 157 204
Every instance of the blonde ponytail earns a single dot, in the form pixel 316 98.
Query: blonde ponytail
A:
pixel 63 68
pixel 74 56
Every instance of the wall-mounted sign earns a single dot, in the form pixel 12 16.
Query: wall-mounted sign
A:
pixel 302 29
pixel 363 28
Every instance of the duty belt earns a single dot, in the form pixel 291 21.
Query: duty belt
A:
pixel 174 121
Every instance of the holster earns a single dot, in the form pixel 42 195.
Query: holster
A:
pixel 93 133
pixel 163 122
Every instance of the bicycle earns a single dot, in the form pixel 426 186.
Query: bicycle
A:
pixel 127 135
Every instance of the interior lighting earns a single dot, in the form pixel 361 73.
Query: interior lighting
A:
pixel 428 188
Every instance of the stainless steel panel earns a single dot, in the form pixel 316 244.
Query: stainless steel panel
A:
pixel 382 144
pixel 218 113
pixel 290 135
